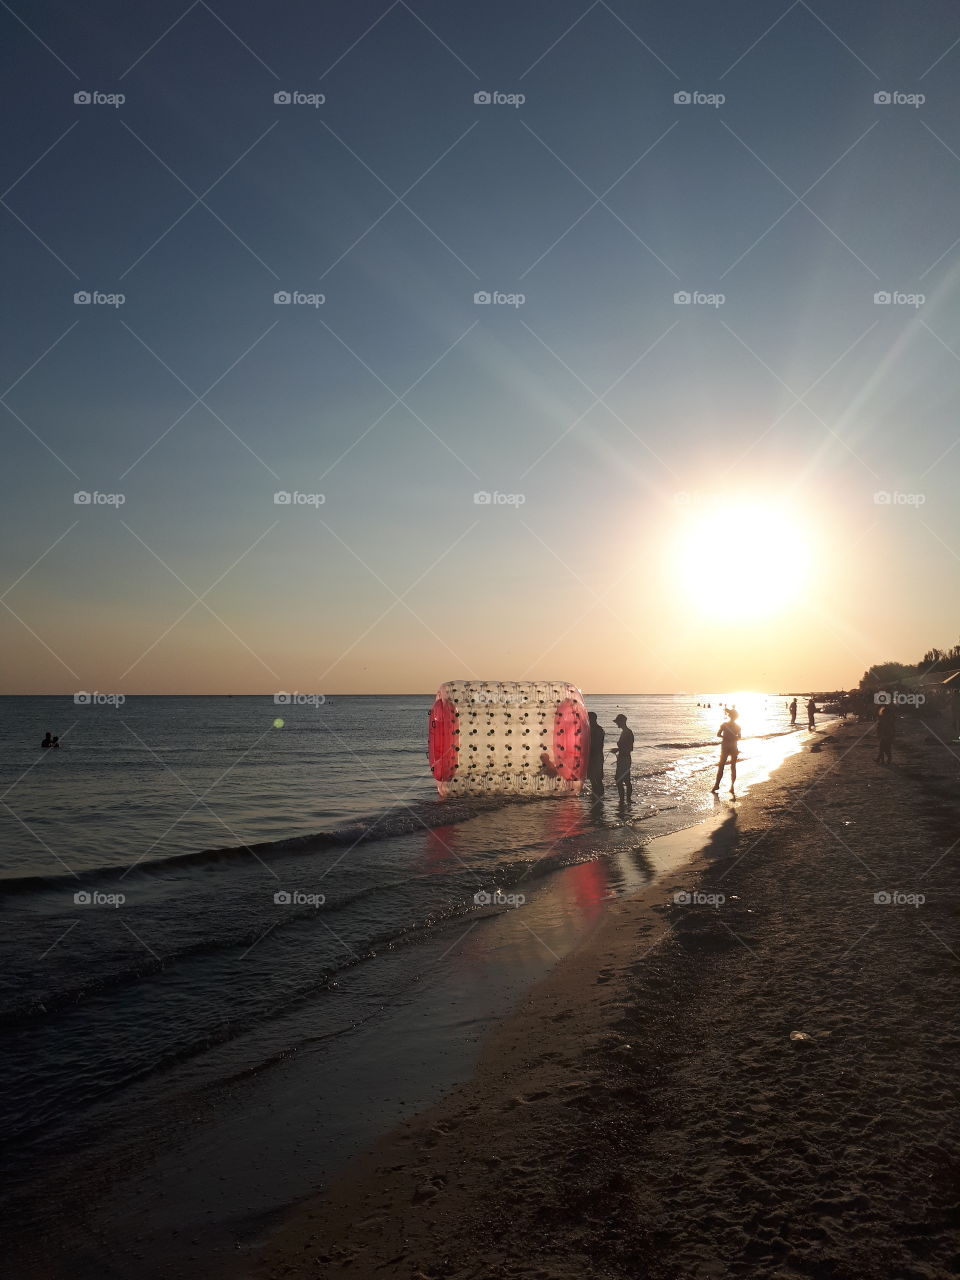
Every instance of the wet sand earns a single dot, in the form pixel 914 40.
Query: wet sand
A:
pixel 762 1085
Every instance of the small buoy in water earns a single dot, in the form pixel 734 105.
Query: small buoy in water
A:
pixel 799 1035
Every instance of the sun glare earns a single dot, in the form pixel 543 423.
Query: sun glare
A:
pixel 743 554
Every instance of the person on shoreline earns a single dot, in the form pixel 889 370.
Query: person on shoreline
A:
pixel 886 732
pixel 623 751
pixel 793 712
pixel 729 735
pixel 47 742
pixel 595 759
pixel 811 713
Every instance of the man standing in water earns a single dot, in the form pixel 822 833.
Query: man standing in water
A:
pixel 793 712
pixel 622 751
pixel 595 759
pixel 729 735
pixel 811 713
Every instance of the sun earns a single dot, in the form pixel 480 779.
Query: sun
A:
pixel 745 554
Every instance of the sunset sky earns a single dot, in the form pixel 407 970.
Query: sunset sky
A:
pixel 753 489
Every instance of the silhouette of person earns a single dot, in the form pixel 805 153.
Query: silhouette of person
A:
pixel 811 713
pixel 623 751
pixel 595 759
pixel 729 735
pixel 56 741
pixel 48 741
pixel 793 712
pixel 886 732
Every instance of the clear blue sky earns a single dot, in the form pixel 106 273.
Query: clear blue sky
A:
pixel 798 198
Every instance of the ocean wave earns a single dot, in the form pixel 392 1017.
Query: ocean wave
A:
pixel 398 821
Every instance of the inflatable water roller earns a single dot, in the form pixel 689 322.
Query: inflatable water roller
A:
pixel 495 737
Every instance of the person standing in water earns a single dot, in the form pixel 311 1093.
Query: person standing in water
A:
pixel 811 713
pixel 47 742
pixel 595 759
pixel 623 751
pixel 729 735
pixel 793 712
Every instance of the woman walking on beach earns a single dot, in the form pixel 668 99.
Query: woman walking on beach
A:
pixel 729 735
pixel 886 732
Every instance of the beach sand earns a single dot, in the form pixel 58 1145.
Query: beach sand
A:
pixel 649 1109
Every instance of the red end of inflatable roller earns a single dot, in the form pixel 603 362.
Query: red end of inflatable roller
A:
pixel 443 740
pixel 570 740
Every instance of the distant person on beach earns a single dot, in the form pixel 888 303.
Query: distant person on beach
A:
pixel 595 760
pixel 47 742
pixel 811 713
pixel 793 712
pixel 886 732
pixel 729 735
pixel 623 751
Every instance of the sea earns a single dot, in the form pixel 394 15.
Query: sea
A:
pixel 194 888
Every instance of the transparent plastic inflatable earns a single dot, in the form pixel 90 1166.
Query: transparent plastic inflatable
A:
pixel 526 737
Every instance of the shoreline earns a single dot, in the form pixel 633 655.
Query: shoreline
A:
pixel 645 1109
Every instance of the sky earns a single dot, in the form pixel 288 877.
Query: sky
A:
pixel 703 434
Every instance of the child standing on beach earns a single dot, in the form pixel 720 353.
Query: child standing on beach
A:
pixel 729 735
pixel 886 732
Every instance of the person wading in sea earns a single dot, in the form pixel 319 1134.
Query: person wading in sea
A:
pixel 624 761
pixel 729 735
pixel 595 759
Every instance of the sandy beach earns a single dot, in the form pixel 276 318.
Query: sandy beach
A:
pixel 754 1082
